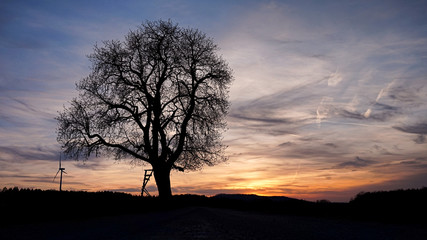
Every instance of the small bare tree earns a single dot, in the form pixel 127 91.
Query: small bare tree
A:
pixel 159 96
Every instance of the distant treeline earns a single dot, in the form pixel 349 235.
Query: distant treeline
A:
pixel 401 196
pixel 398 205
pixel 33 205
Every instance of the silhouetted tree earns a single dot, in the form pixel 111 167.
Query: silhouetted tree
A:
pixel 159 96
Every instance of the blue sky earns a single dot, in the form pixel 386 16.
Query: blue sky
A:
pixel 328 98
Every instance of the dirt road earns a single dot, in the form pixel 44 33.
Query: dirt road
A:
pixel 211 223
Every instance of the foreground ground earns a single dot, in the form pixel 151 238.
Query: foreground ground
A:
pixel 211 223
pixel 37 214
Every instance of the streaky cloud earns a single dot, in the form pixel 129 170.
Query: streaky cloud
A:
pixel 370 114
pixel 29 153
pixel 332 145
pixel 419 128
pixel 263 120
pixel 356 163
pixel 286 144
pixel 420 139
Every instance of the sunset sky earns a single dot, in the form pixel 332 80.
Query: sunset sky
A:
pixel 329 97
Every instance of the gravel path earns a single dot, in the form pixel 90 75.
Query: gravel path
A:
pixel 211 223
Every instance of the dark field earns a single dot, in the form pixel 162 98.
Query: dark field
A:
pixel 35 214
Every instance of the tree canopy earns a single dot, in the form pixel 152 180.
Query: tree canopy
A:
pixel 159 96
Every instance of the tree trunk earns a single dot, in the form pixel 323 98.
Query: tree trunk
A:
pixel 162 177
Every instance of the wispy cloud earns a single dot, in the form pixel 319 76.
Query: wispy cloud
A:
pixel 356 163
pixel 28 153
pixel 420 139
pixel 419 128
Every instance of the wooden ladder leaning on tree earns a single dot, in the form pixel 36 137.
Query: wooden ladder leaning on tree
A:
pixel 147 176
